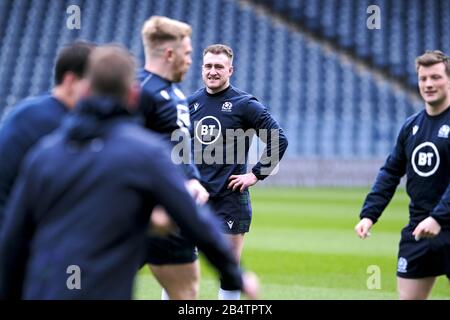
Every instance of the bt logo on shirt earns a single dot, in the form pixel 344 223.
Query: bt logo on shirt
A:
pixel 208 130
pixel 425 159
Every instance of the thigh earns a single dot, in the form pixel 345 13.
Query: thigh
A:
pixel 237 244
pixel 181 281
pixel 414 289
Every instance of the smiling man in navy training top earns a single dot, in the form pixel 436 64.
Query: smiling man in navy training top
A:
pixel 422 152
pixel 224 121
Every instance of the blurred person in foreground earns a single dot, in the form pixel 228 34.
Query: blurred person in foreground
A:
pixel 84 196
pixel 35 117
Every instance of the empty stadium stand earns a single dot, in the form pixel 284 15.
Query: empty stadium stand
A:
pixel 330 105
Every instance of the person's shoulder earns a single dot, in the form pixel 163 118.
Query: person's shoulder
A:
pixel 240 93
pixel 141 74
pixel 152 84
pixel 411 124
pixel 28 108
pixel 411 120
pixel 196 94
pixel 244 96
pixel 247 101
pixel 28 105
pixel 139 138
pixel 40 100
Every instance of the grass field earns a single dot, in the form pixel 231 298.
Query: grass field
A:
pixel 302 246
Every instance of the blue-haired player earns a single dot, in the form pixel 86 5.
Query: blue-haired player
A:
pixel 224 121
pixel 422 152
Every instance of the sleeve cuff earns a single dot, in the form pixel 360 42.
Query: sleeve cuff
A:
pixel 369 216
pixel 440 219
pixel 257 175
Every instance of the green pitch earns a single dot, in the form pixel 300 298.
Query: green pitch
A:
pixel 302 246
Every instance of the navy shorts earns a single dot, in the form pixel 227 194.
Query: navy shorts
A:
pixel 234 211
pixel 171 249
pixel 423 258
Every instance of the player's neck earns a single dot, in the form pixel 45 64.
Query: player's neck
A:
pixel 160 70
pixel 63 95
pixel 436 110
pixel 217 90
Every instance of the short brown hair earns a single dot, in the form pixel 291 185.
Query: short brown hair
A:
pixel 73 58
pixel 158 29
pixel 219 49
pixel 430 58
pixel 111 71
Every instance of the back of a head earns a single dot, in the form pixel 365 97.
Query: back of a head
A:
pixel 430 58
pixel 159 30
pixel 111 71
pixel 72 58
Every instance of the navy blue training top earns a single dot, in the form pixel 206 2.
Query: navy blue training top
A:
pixel 422 152
pixel 223 125
pixel 30 120
pixel 165 110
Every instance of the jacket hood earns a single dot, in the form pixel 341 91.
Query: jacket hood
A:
pixel 91 116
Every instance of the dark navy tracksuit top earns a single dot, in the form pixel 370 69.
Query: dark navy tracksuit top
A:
pixel 165 110
pixel 227 121
pixel 422 152
pixel 84 198
pixel 30 120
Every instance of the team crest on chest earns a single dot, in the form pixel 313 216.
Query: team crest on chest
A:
pixel 227 106
pixel 444 131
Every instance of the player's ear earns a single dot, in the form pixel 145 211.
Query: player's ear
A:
pixel 71 84
pixel 231 70
pixel 69 78
pixel 169 53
